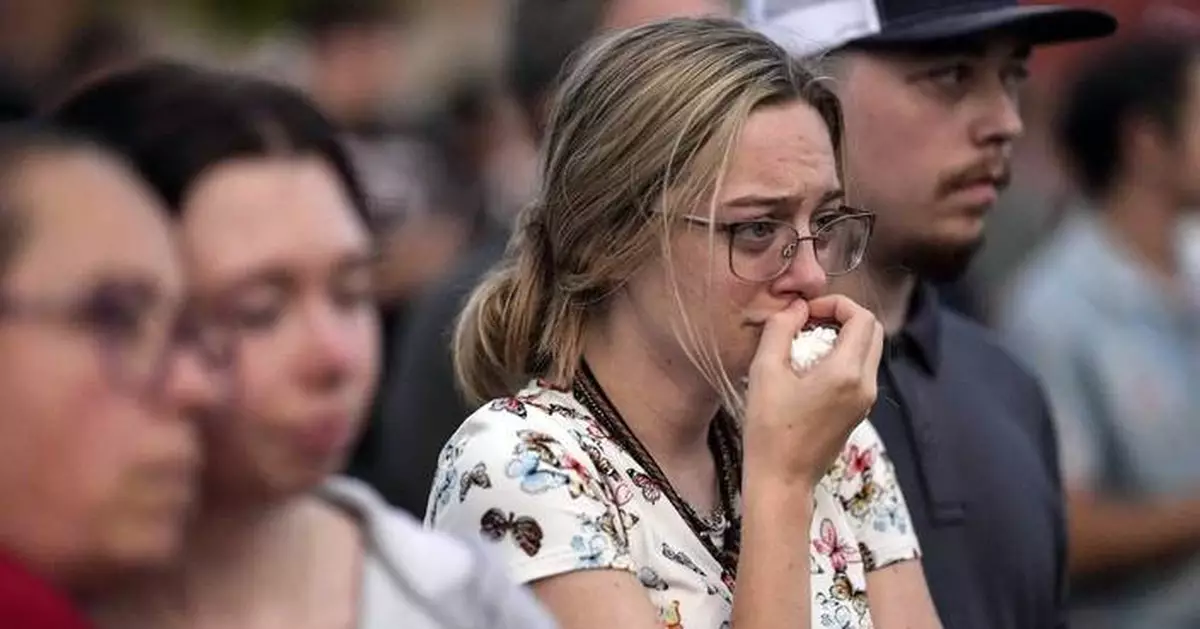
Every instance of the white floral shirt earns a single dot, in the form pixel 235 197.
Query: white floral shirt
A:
pixel 537 475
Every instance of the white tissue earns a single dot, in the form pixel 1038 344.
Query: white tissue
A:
pixel 812 345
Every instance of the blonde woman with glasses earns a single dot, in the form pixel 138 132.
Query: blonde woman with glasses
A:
pixel 645 444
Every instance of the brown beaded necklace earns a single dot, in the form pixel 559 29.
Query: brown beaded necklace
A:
pixel 721 534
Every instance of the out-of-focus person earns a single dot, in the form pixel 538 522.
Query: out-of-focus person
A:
pixel 421 171
pixel 50 47
pixel 102 372
pixel 1189 238
pixel 422 405
pixel 1109 316
pixel 930 94
pixel 272 220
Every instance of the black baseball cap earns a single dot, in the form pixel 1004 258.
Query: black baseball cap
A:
pixel 807 27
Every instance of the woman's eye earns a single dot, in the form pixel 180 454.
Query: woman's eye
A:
pixel 756 230
pixel 115 314
pixel 355 288
pixel 257 310
pixel 825 218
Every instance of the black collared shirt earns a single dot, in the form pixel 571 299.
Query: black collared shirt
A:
pixel 975 452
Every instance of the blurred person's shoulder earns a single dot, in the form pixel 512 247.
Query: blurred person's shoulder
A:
pixel 427 579
pixel 1055 276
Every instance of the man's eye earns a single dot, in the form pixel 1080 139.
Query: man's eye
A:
pixel 1016 75
pixel 951 76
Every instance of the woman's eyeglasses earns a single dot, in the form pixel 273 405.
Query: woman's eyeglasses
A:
pixel 763 249
pixel 136 339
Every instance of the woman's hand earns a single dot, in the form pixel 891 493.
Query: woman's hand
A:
pixel 797 423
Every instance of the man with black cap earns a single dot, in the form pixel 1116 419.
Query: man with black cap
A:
pixel 929 90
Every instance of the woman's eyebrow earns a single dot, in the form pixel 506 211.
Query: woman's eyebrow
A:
pixel 759 200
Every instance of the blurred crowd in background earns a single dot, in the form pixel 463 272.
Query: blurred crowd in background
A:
pixel 421 92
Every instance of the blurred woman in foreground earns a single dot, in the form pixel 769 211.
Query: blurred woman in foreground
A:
pixel 101 372
pixel 271 218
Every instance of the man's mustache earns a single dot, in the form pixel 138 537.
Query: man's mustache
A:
pixel 996 172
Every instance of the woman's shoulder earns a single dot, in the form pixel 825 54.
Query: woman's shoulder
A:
pixel 425 577
pixel 399 539
pixel 527 474
pixel 536 428
pixel 539 405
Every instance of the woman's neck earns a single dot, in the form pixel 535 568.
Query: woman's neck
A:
pixel 661 396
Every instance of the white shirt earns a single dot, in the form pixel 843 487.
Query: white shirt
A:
pixel 539 476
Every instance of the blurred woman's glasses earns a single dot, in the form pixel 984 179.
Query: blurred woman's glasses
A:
pixel 137 339
pixel 763 249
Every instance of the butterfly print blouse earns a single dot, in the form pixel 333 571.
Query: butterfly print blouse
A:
pixel 537 476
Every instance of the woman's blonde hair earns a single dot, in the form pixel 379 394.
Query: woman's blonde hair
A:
pixel 640 133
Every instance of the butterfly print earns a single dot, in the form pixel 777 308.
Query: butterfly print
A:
pixel 590 551
pixel 621 494
pixel 539 443
pixel 595 430
pixel 526 532
pixel 868 557
pixel 442 493
pixel 510 405
pixel 670 616
pixel 603 465
pixel 652 580
pixel 651 491
pixel 683 560
pixel 859 504
pixel 890 515
pixel 857 460
pixel 476 477
pixel 607 524
pixel 535 479
pixel 450 455
pixel 579 474
pixel 559 409
pixel 843 590
pixel 839 552
pixel 839 618
pixel 535 464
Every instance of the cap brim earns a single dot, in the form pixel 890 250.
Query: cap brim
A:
pixel 1034 25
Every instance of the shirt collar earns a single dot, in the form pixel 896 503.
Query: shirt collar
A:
pixel 922 334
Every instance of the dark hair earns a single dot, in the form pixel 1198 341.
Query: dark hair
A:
pixel 174 122
pixel 543 36
pixel 1147 77
pixel 16 102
